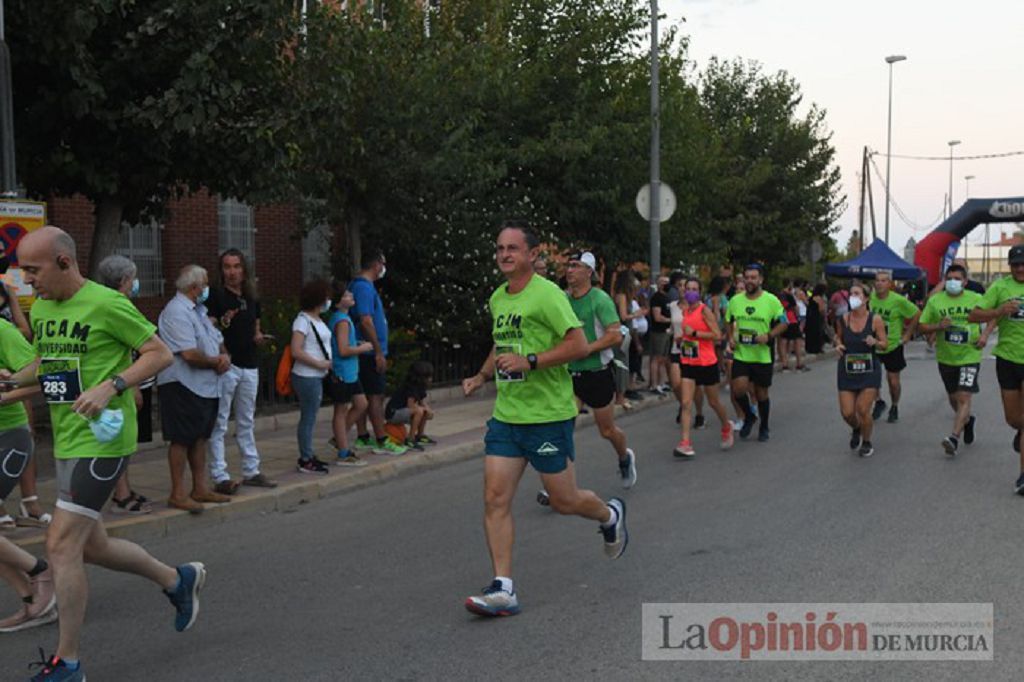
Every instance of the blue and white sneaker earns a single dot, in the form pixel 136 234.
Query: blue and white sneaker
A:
pixel 627 469
pixel 494 601
pixel 616 537
pixel 55 670
pixel 185 597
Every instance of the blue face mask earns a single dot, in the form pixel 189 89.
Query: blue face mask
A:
pixel 107 426
pixel 204 294
pixel 954 286
pixel 327 305
pixel 134 293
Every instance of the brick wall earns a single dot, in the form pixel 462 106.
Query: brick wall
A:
pixel 190 235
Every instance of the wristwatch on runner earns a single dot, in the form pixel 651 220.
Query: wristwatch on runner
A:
pixel 120 385
pixel 532 358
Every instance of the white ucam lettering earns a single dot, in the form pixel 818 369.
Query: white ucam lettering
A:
pixel 1006 209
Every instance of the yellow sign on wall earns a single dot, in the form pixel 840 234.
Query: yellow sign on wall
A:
pixel 18 218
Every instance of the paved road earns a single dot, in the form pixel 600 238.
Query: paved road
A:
pixel 369 585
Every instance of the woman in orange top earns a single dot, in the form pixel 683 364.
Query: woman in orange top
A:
pixel 699 364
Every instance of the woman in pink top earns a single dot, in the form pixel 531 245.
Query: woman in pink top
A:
pixel 699 364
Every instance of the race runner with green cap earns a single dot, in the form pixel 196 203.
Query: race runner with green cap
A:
pixel 84 336
pixel 535 334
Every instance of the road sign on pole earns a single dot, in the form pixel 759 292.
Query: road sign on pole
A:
pixel 666 202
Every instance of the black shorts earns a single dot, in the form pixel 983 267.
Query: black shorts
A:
pixel 342 392
pixel 595 388
pixel 703 375
pixel 16 448
pixel 186 417
pixel 84 484
pixel 144 416
pixel 1009 374
pixel 893 361
pixel 793 332
pixel 372 381
pixel 957 378
pixel 760 373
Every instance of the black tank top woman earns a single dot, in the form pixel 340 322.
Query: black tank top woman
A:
pixel 858 367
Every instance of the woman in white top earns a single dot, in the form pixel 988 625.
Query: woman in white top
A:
pixel 311 355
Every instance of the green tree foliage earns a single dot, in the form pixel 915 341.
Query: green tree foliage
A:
pixel 130 102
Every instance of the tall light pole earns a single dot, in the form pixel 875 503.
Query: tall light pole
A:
pixel 967 186
pixel 890 60
pixel 655 150
pixel 951 143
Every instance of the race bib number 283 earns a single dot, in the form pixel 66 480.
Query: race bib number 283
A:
pixel 60 379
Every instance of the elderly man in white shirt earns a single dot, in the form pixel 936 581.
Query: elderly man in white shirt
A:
pixel 188 389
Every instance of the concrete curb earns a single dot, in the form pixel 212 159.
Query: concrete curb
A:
pixel 288 497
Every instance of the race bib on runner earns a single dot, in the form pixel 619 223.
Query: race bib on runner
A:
pixel 956 336
pixel 968 375
pixel 748 337
pixel 859 363
pixel 60 379
pixel 690 349
pixel 501 376
pixel 1019 315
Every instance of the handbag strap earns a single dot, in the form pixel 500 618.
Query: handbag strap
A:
pixel 319 342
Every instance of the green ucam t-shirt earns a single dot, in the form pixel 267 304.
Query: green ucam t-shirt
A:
pixel 597 312
pixel 82 342
pixel 532 321
pixel 893 310
pixel 754 317
pixel 15 353
pixel 1011 328
pixel 956 344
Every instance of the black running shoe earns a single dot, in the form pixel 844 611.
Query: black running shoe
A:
pixel 543 499
pixel 855 439
pixel 748 425
pixel 763 435
pixel 878 409
pixel 866 449
pixel 698 421
pixel 1019 485
pixel 1016 442
pixel 894 415
pixel 969 431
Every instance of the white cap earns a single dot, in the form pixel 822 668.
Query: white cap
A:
pixel 588 259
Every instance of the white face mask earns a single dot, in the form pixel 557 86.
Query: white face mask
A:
pixel 856 302
pixel 383 271
pixel 954 286
pixel 326 306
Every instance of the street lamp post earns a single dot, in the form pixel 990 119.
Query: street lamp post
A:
pixel 890 60
pixel 655 202
pixel 967 186
pixel 951 143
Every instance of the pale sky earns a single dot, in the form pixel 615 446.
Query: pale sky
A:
pixel 961 80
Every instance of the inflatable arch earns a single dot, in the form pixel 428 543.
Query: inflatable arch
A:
pixel 932 249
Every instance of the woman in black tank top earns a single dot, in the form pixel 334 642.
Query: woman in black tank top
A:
pixel 858 372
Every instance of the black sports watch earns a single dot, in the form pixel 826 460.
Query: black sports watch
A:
pixel 120 385
pixel 532 358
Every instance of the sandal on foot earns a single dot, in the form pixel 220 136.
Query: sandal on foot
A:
pixel 133 504
pixel 27 520
pixel 7 522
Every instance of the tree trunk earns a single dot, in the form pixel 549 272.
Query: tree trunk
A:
pixel 107 232
pixel 354 226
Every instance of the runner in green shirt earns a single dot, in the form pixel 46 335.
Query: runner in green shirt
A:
pixel 957 349
pixel 756 318
pixel 535 334
pixel 84 334
pixel 1003 303
pixel 900 318
pixel 592 379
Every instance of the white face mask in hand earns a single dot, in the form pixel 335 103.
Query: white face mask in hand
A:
pixel 856 302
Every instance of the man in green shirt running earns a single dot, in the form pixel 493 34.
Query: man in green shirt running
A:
pixel 1004 303
pixel 84 334
pixel 756 318
pixel 535 334
pixel 900 317
pixel 958 350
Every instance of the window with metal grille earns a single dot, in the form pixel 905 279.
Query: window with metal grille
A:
pixel 141 244
pixel 316 253
pixel 236 227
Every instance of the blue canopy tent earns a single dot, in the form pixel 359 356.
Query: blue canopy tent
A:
pixel 878 256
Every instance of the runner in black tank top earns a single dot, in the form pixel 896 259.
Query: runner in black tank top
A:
pixel 858 371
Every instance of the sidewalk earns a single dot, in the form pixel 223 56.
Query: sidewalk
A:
pixel 458 427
